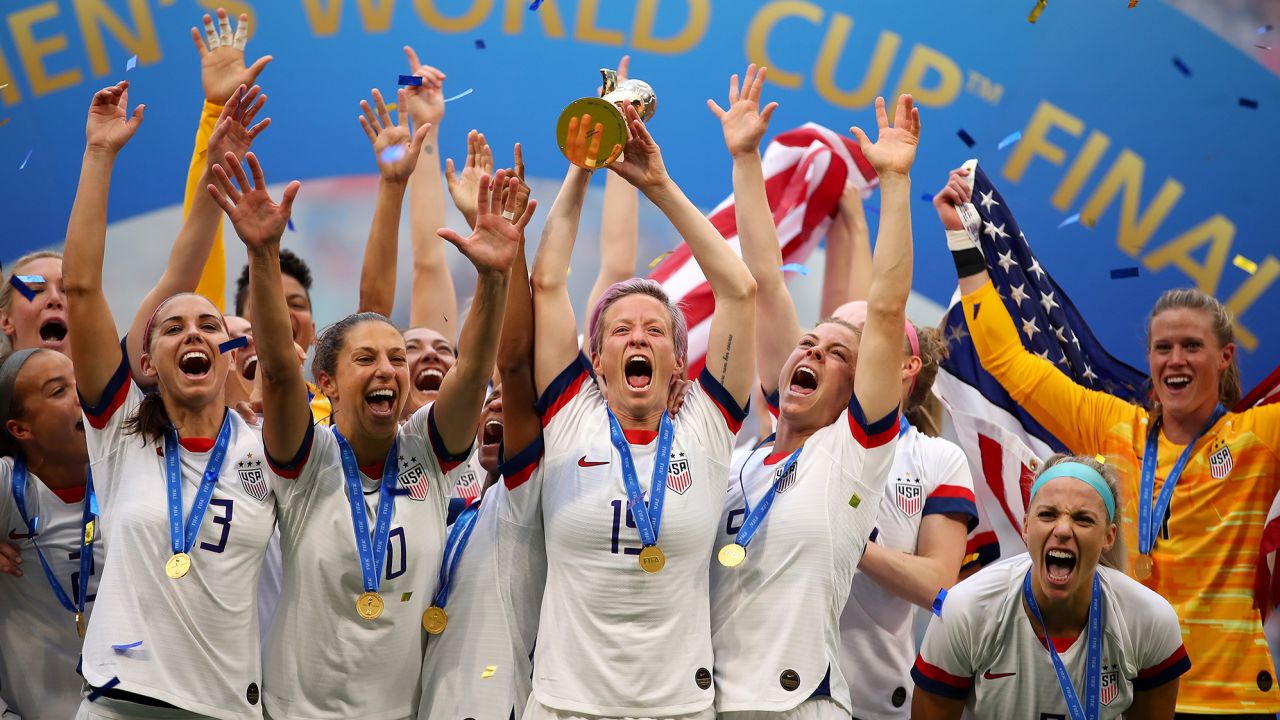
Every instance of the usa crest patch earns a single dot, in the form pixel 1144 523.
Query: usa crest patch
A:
pixel 252 480
pixel 1110 687
pixel 468 487
pixel 787 482
pixel 678 477
pixel 1221 462
pixel 413 478
pixel 909 496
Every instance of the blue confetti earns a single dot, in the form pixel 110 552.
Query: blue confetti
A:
pixel 1246 102
pixel 291 227
pixel 1264 29
pixel 93 504
pixel 21 286
pixel 413 80
pixel 1072 220
pixel 965 137
pixel 131 64
pixel 126 647
pixel 392 154
pixel 99 691
pixel 1182 67
pixel 1015 137
pixel 479 44
pixel 462 94
pixel 875 209
pixel 535 4
pixel 927 197
pixel 23 166
pixel 234 344
pixel 937 602
pixel 1121 273
pixel 795 267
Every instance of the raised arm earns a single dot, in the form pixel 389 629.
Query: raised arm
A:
pixel 260 223
pixel 234 133
pixel 463 184
pixel 744 125
pixel 730 346
pixel 846 273
pixel 491 249
pixel 96 351
pixel 619 224
pixel 878 380
pixel 396 153
pixel 520 422
pixel 433 304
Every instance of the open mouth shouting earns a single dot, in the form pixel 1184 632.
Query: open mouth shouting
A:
pixel 53 332
pixel 250 370
pixel 491 433
pixel 638 370
pixel 428 379
pixel 381 402
pixel 1059 566
pixel 804 381
pixel 1177 383
pixel 195 364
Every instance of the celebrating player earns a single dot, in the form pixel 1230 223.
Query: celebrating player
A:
pixel 33 304
pixel 1113 647
pixel 630 497
pixel 833 447
pixel 1201 476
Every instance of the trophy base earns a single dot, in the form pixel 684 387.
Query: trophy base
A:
pixel 601 111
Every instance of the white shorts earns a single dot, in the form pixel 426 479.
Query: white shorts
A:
pixel 535 710
pixel 108 709
pixel 819 708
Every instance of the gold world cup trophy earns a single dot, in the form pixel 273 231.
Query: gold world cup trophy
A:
pixel 607 110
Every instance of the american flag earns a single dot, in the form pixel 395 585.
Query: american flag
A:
pixel 1002 441
pixel 805 171
pixel 1266 589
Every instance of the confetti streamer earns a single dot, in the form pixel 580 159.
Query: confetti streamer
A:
pixel 1102 459
pixel 462 94
pixel 927 197
pixel 404 597
pixel 1182 67
pixel 535 4
pixel 23 166
pixel 100 691
pixel 1245 264
pixel 131 64
pixel 1121 273
pixel 965 137
pixel 19 284
pixel 291 227
pixel 489 671
pixel 1263 47
pixel 1261 31
pixel 234 344
pixel 1133 4
pixel 126 647
pixel 654 263
pixel 1015 137
pixel 796 267
pixel 411 80
pixel 1035 11
pixel 937 602
pixel 480 44
pixel 1246 102
pixel 5 122
pixel 392 154
pixel 855 501
pixel 1071 220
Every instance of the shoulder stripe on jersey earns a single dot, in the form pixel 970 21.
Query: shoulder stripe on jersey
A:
pixel 871 435
pixel 772 401
pixel 113 394
pixel 953 499
pixel 940 682
pixel 733 414
pixel 981 550
pixel 517 469
pixel 564 388
pixel 448 461
pixel 293 468
pixel 1172 667
pixel 456 506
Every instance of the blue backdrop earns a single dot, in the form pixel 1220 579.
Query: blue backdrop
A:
pixel 1169 168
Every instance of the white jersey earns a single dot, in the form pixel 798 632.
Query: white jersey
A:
pixel 984 650
pixel 470 480
pixel 324 660
pixel 929 476
pixel 614 640
pixel 775 617
pixel 191 642
pixel 38 636
pixel 480 666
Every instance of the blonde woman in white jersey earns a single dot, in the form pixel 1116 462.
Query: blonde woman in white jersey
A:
pixel 630 498
pixel 797 514
pixel 187 509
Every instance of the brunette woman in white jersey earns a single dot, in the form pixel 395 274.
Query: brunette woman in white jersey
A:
pixel 630 498
pixel 185 515
pixel 44 603
pixel 797 515
pixel 1054 633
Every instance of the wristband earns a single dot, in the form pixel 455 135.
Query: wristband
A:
pixel 960 240
pixel 968 261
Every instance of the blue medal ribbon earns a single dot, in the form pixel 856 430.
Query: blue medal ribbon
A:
pixel 19 488
pixel 372 550
pixel 459 535
pixel 1093 662
pixel 1148 527
pixel 181 539
pixel 648 516
pixel 756 516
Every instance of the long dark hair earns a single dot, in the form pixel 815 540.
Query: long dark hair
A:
pixel 331 340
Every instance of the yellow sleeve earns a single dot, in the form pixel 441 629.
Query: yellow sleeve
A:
pixel 213 281
pixel 1264 421
pixel 1076 415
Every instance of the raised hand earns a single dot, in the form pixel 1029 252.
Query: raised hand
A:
pixel 641 162
pixel 257 219
pixel 744 123
pixel 110 126
pixel 523 191
pixel 235 131
pixel 222 68
pixel 396 152
pixel 492 245
pixel 463 186
pixel 582 143
pixel 952 195
pixel 894 151
pixel 426 101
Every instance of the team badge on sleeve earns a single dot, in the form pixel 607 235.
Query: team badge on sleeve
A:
pixel 1110 686
pixel 252 479
pixel 413 478
pixel 909 494
pixel 1220 462
pixel 678 478
pixel 468 487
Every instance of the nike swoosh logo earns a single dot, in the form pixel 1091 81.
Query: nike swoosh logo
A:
pixel 988 675
pixel 584 462
pixel 14 535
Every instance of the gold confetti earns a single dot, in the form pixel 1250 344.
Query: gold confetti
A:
pixel 1133 4
pixel 88 532
pixel 404 597
pixel 855 501
pixel 489 671
pixel 1035 11
pixel 1102 460
pixel 391 106
pixel 1245 264
pixel 654 263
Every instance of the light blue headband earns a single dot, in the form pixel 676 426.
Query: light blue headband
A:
pixel 1083 473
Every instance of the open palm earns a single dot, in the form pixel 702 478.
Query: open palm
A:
pixel 109 125
pixel 396 151
pixel 641 162
pixel 222 68
pixel 258 220
pixel 426 101
pixel 236 131
pixel 744 123
pixel 492 245
pixel 894 151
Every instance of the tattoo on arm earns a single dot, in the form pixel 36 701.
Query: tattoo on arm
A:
pixel 724 369
pixel 428 149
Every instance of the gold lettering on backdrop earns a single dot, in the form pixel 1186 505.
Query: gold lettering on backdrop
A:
pixel 548 14
pixel 33 52
pixel 1217 232
pixel 585 29
pixel 1247 294
pixel 922 60
pixel 695 27
pixel 1127 172
pixel 761 28
pixel 1081 168
pixel 829 58
pixel 8 86
pixel 234 9
pixel 1035 143
pixel 323 15
pixel 93 15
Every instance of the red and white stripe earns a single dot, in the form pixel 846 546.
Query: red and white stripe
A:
pixel 805 171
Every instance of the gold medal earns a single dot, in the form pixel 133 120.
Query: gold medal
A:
pixel 1142 567
pixel 651 559
pixel 369 605
pixel 80 626
pixel 732 555
pixel 435 620
pixel 178 565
